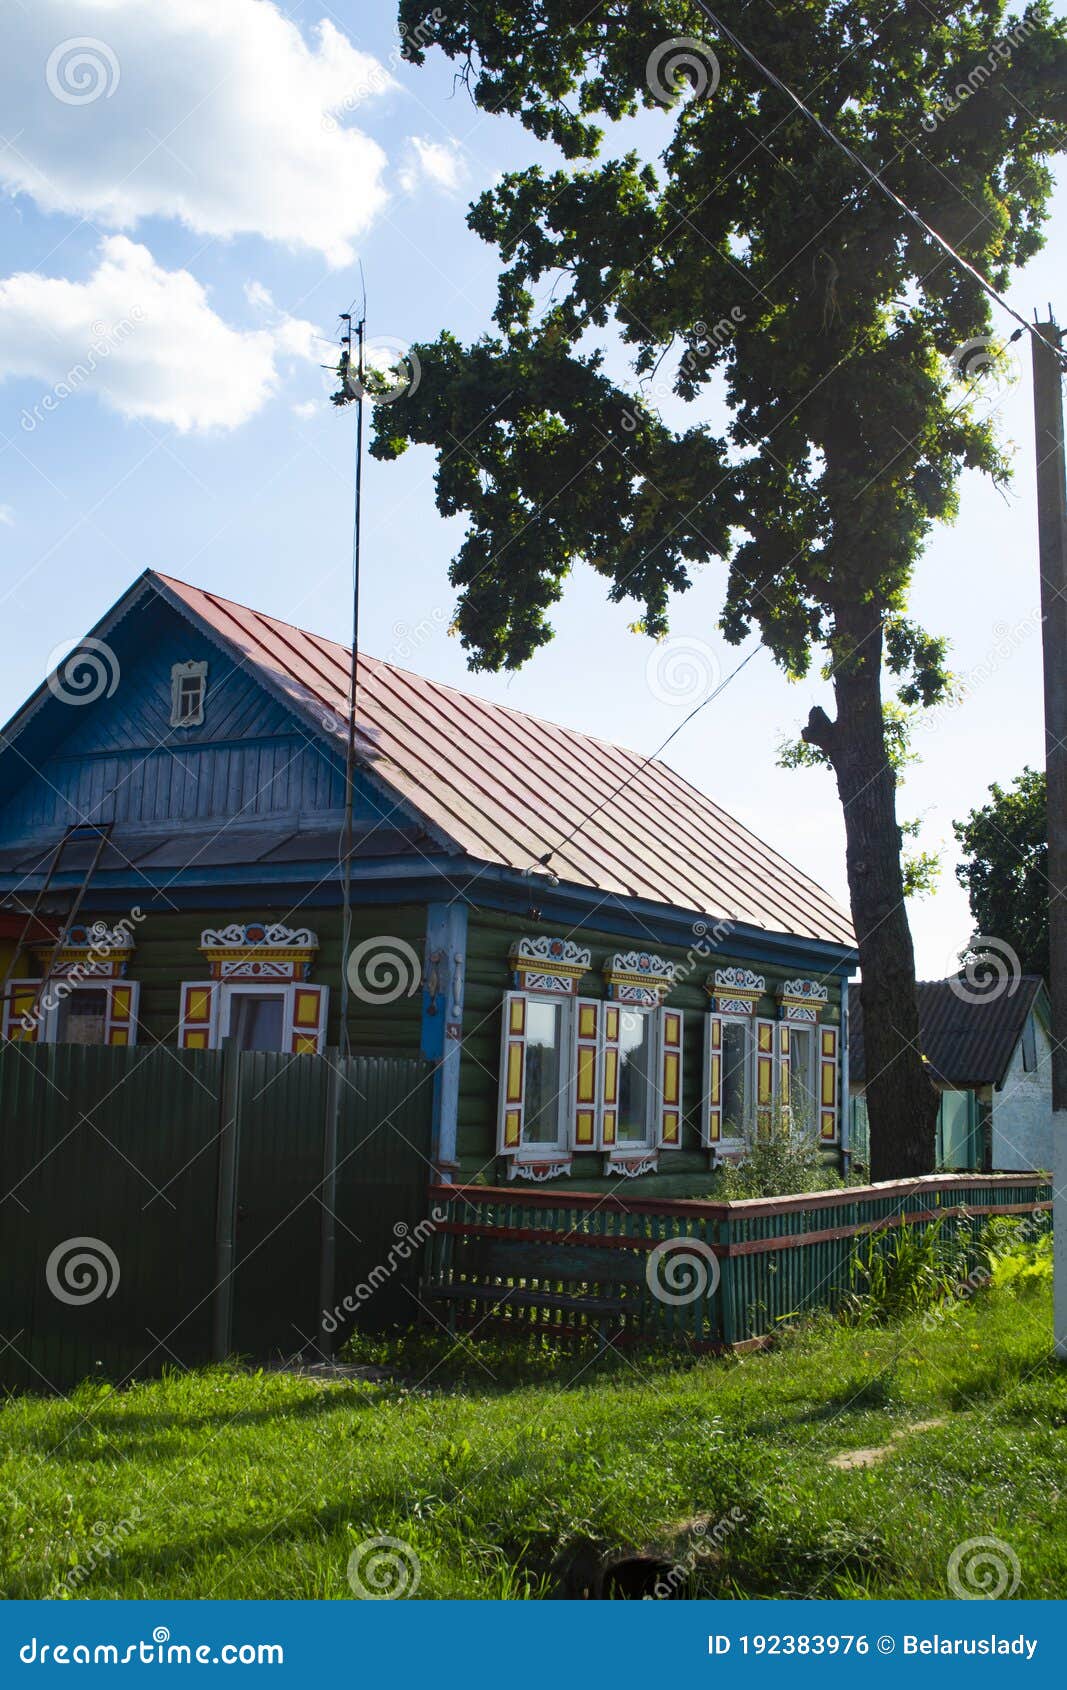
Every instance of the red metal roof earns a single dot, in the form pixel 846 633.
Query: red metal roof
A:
pixel 505 787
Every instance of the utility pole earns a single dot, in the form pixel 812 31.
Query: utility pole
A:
pixel 1052 547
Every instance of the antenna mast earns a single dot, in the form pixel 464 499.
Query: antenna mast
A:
pixel 351 388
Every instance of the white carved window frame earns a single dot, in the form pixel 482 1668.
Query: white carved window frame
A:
pixel 195 669
pixel 735 995
pixel 544 970
pixel 561 1147
pixel 734 1141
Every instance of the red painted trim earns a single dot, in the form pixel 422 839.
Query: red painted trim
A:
pixel 756 1208
pixel 796 1240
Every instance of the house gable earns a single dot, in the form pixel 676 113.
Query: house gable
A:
pixel 252 768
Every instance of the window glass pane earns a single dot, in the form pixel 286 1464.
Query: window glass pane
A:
pixel 802 1093
pixel 635 1077
pixel 256 1022
pixel 189 696
pixel 735 1098
pixel 81 1018
pixel 544 1071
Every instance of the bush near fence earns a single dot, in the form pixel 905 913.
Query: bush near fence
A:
pixel 715 1275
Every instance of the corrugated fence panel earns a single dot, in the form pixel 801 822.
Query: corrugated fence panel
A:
pixel 279 1216
pixel 109 1163
pixel 383 1176
pixel 108 1178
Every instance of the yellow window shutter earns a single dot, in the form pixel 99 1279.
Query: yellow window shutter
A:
pixel 20 1003
pixel 785 1075
pixel 587 1013
pixel 766 1034
pixel 512 1073
pixel 609 1076
pixel 670 1098
pixel 711 1116
pixel 120 1026
pixel 828 1082
pixel 198 1026
pixel 307 1011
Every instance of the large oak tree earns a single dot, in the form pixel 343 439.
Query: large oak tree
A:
pixel 752 262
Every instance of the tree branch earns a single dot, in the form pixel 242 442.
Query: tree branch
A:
pixel 820 731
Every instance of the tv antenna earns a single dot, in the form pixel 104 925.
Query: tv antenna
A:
pixel 351 390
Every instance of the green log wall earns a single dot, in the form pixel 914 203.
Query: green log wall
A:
pixel 167 953
pixel 684 1172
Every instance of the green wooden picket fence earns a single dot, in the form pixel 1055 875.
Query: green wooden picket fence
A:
pixel 707 1275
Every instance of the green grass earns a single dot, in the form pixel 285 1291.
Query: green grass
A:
pixel 231 1484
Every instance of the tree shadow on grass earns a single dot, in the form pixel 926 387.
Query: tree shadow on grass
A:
pixel 160 1433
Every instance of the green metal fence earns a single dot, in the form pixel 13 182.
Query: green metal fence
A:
pixel 162 1207
pixel 716 1275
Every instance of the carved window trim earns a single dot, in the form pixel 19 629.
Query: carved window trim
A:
pixel 194 670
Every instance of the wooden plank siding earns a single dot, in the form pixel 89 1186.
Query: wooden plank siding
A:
pixel 283 775
pixel 684 1172
pixel 125 763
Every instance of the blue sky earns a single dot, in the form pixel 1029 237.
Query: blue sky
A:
pixel 187 232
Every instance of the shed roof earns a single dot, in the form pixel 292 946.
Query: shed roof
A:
pixel 966 1041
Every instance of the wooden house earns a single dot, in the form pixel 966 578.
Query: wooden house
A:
pixel 990 1056
pixel 614 978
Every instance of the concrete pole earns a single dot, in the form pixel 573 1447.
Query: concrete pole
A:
pixel 1052 545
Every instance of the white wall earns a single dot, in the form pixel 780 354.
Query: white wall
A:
pixel 1022 1110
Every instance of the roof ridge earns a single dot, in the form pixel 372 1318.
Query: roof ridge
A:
pixel 699 855
pixel 641 759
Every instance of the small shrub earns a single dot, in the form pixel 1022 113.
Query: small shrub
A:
pixel 781 1165
pixel 1022 1264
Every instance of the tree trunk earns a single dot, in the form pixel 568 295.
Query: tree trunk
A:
pixel 901 1101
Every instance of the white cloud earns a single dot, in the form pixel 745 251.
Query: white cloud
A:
pixel 306 409
pixel 221 115
pixel 7 516
pixel 439 163
pixel 143 339
pixel 259 296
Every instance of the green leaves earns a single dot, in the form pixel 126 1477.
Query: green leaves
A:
pixel 751 264
pixel 1005 867
pixel 554 464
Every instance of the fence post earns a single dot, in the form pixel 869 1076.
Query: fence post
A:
pixel 226 1210
pixel 327 1200
pixel 724 1234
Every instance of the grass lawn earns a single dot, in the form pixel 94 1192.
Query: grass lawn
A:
pixel 229 1484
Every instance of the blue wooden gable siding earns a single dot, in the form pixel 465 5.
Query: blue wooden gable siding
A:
pixel 118 759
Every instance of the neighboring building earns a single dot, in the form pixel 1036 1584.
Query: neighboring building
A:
pixel 172 819
pixel 990 1058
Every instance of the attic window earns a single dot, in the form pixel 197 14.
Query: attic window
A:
pixel 188 688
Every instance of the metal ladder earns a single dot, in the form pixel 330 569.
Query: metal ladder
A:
pixel 79 834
